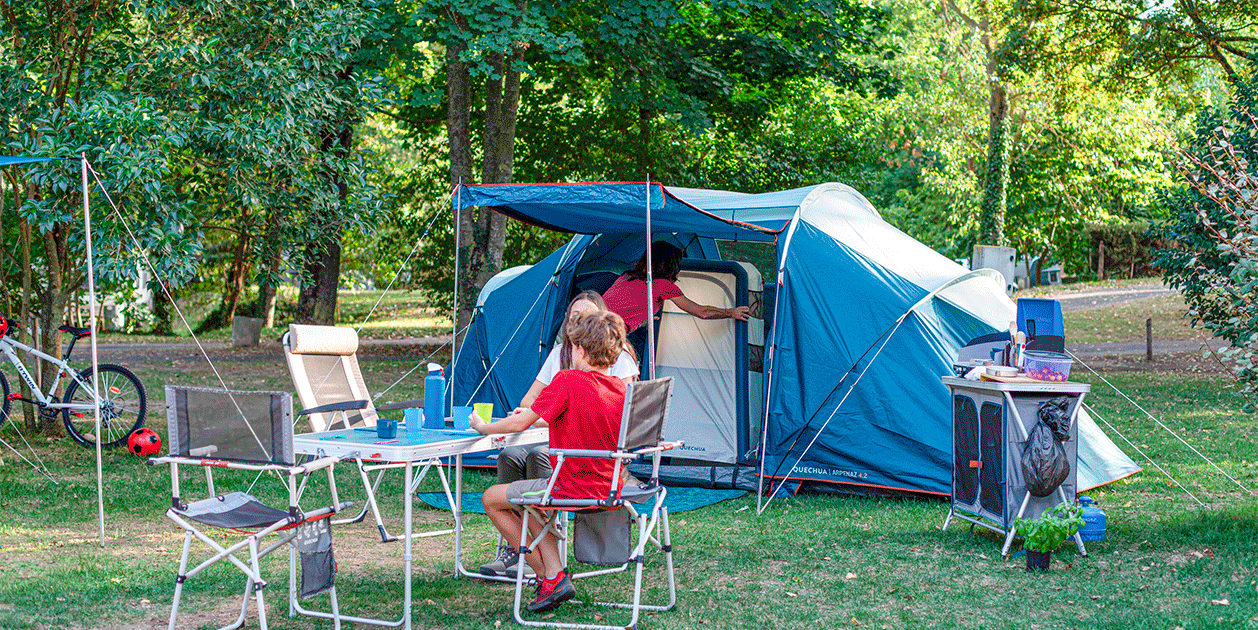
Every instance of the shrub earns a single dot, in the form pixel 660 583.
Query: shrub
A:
pixel 1212 236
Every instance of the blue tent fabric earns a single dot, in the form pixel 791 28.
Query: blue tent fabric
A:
pixel 17 160
pixel 845 278
pixel 606 208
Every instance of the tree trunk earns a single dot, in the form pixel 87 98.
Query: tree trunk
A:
pixel 316 303
pixel 992 218
pixel 52 307
pixel 163 312
pixel 267 291
pixel 236 275
pixel 24 316
pixel 458 117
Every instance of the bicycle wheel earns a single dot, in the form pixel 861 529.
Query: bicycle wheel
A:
pixel 7 404
pixel 122 407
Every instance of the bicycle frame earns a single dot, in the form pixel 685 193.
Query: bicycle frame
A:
pixel 7 344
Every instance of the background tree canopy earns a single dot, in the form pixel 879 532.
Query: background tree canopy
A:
pixel 272 152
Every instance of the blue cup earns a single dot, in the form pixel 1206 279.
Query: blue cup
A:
pixel 459 415
pixel 386 428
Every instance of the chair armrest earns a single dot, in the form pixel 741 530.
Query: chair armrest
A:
pixel 405 404
pixel 659 448
pixel 341 406
pixel 318 464
pixel 214 463
pixel 585 453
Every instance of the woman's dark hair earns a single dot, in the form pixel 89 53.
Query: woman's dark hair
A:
pixel 601 334
pixel 665 262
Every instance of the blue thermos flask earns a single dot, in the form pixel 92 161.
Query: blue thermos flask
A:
pixel 435 398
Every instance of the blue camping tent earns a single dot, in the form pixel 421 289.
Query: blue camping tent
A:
pixel 836 378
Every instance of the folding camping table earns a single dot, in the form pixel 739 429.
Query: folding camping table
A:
pixel 422 448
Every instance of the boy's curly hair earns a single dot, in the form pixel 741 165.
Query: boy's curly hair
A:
pixel 601 334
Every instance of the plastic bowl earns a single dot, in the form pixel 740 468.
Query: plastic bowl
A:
pixel 1043 365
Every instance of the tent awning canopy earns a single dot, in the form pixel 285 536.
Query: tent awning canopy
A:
pixel 620 208
pixel 6 160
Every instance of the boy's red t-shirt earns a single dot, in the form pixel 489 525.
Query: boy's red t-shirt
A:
pixel 627 298
pixel 583 410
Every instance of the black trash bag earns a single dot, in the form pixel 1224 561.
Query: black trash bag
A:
pixel 1044 461
pixel 1056 414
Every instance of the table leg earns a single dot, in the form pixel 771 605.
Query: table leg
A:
pixel 458 514
pixel 406 549
pixel 1004 551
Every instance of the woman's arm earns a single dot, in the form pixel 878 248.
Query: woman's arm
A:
pixel 710 312
pixel 531 395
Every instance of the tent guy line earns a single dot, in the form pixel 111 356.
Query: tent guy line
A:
pixel 166 291
pixel 1092 411
pixel 884 337
pixel 1159 423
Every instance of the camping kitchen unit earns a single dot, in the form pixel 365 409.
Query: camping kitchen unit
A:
pixel 991 422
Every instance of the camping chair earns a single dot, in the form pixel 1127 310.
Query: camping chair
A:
pixel 323 361
pixel 247 431
pixel 641 427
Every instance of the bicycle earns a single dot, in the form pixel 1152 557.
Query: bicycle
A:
pixel 122 410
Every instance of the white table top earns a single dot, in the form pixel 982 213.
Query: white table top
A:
pixel 410 446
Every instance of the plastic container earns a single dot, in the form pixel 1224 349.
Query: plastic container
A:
pixel 1093 520
pixel 1040 316
pixel 435 398
pixel 1043 365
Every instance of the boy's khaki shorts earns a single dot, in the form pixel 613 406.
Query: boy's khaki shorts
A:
pixel 531 489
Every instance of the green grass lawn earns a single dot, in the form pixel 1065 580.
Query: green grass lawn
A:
pixel 808 562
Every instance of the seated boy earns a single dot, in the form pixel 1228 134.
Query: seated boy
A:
pixel 583 408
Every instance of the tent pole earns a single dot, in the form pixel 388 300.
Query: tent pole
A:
pixel 650 282
pixel 91 306
pixel 454 325
pixel 768 395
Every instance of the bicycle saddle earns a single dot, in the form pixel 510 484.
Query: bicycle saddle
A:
pixel 76 331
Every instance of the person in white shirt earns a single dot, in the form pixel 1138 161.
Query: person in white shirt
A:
pixel 517 462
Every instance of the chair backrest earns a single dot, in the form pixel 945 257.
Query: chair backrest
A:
pixel 324 363
pixel 645 411
pixel 255 427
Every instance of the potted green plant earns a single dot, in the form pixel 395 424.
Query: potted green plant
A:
pixel 1040 536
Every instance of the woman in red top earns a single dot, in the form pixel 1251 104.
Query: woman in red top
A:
pixel 627 296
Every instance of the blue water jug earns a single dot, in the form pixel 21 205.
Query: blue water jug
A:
pixel 435 398
pixel 1093 520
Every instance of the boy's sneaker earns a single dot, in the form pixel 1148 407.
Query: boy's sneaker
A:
pixel 552 593
pixel 505 564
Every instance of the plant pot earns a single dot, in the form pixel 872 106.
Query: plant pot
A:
pixel 1038 560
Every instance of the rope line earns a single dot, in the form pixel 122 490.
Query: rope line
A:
pixel 1159 423
pixel 420 364
pixel 886 339
pixel 166 291
pixel 1143 454
pixel 42 468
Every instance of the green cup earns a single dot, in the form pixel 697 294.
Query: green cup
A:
pixel 485 411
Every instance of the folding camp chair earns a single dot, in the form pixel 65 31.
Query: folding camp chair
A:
pixel 641 427
pixel 323 361
pixel 248 431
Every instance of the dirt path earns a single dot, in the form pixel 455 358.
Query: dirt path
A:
pixel 1077 300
